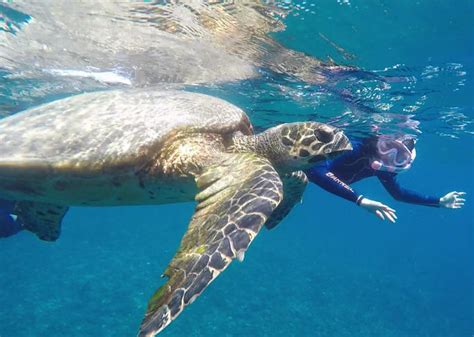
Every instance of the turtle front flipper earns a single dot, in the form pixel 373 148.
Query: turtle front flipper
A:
pixel 237 195
pixel 294 185
pixel 41 218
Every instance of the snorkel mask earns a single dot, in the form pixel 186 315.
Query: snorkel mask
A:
pixel 394 154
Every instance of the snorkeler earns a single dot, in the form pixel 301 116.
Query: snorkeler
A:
pixel 9 223
pixel 382 156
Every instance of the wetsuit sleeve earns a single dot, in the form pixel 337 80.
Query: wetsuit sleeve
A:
pixel 7 205
pixel 8 225
pixel 389 181
pixel 323 177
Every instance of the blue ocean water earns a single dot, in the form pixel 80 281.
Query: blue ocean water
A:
pixel 329 269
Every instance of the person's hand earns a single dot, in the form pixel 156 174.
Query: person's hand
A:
pixel 452 200
pixel 380 210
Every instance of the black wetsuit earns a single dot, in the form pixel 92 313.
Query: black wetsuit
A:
pixel 336 175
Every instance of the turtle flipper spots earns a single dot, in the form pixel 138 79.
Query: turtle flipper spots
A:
pixel 43 219
pixel 227 218
pixel 294 185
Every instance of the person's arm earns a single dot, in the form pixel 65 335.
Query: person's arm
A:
pixel 8 225
pixel 324 178
pixel 321 176
pixel 7 205
pixel 389 181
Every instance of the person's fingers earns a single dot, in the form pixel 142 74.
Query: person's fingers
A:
pixel 460 199
pixel 387 209
pixel 379 214
pixel 459 193
pixel 394 215
pixel 389 217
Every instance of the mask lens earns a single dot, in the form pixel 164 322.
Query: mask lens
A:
pixel 403 156
pixel 393 153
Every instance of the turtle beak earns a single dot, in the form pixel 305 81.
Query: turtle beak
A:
pixel 339 145
pixel 341 142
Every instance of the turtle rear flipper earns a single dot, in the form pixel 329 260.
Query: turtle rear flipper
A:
pixel 43 219
pixel 237 195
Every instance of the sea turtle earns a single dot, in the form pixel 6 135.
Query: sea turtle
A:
pixel 149 146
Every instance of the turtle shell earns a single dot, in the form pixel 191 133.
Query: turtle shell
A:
pixel 108 130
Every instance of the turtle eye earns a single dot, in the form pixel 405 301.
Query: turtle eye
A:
pixel 324 136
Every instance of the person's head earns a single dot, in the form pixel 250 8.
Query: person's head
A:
pixel 393 153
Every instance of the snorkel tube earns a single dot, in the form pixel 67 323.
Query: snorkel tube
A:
pixel 394 154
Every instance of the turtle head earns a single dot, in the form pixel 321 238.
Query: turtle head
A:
pixel 298 146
